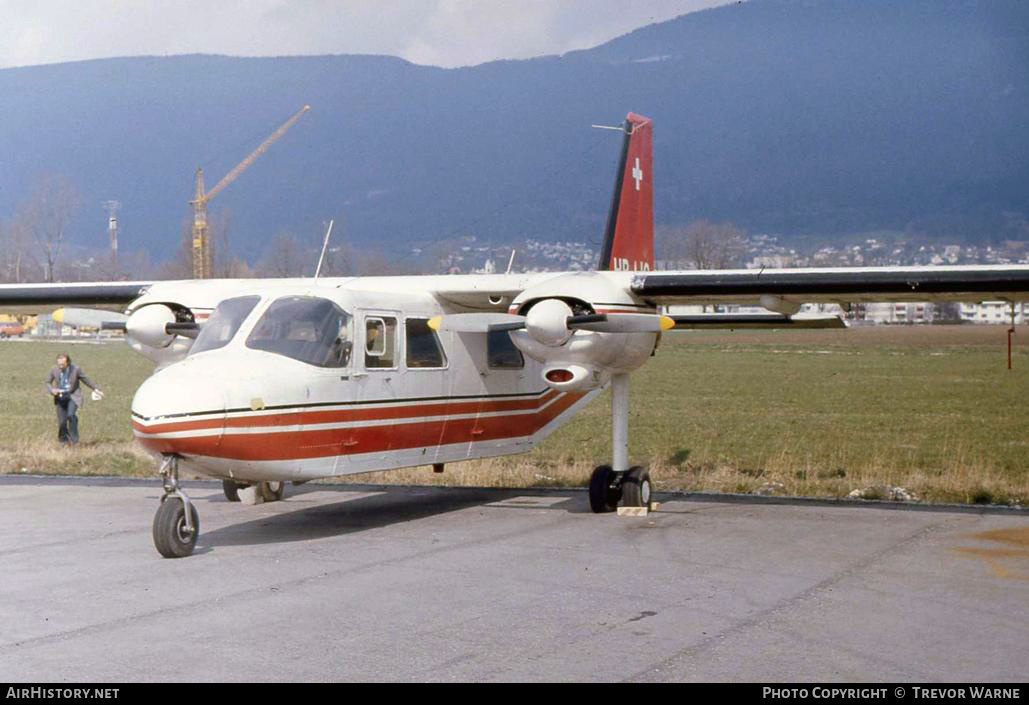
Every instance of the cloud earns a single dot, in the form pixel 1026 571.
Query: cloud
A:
pixel 436 32
pixel 458 32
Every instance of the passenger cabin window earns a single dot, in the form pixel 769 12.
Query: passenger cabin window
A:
pixel 423 347
pixel 501 353
pixel 224 323
pixel 304 328
pixel 380 342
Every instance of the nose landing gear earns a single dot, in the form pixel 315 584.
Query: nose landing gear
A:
pixel 176 524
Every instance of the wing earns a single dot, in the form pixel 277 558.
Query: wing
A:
pixel 43 298
pixel 837 285
pixel 473 292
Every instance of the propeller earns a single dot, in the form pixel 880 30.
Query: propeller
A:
pixel 552 322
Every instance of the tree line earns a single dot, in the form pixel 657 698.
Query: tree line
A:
pixel 33 248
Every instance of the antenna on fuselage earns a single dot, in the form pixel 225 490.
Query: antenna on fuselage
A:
pixel 511 261
pixel 325 246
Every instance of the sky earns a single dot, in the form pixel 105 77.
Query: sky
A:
pixel 444 33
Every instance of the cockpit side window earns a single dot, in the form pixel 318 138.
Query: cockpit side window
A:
pixel 224 323
pixel 380 342
pixel 304 328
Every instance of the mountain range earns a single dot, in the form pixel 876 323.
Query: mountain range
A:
pixel 794 117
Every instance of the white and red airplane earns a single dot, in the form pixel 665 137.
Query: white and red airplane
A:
pixel 259 382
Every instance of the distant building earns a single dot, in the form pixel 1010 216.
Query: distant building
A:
pixel 887 312
pixel 771 262
pixel 993 312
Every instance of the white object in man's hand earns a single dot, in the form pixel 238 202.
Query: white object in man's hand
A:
pixel 97 395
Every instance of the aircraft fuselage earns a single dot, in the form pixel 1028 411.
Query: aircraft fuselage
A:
pixel 270 404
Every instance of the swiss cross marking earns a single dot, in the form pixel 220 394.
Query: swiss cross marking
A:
pixel 637 173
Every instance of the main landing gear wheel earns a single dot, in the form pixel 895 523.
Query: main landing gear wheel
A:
pixel 173 536
pixel 636 488
pixel 231 489
pixel 273 491
pixel 608 486
pixel 176 524
pixel 604 490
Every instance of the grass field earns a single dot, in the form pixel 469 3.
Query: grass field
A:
pixel 931 409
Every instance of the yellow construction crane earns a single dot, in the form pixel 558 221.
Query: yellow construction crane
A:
pixel 201 244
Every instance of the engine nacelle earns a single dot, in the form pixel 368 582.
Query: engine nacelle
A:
pixel 579 360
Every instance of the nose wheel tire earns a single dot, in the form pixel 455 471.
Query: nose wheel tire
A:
pixel 172 536
pixel 636 488
pixel 604 492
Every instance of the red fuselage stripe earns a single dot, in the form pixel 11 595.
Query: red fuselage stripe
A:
pixel 320 443
pixel 293 418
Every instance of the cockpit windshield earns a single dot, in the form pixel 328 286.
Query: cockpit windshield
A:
pixel 223 323
pixel 304 328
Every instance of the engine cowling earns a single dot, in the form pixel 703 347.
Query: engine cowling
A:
pixel 146 326
pixel 546 322
pixel 147 334
pixel 573 359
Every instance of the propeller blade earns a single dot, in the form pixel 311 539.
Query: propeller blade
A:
pixel 621 323
pixel 87 317
pixel 187 330
pixel 476 322
pixel 517 325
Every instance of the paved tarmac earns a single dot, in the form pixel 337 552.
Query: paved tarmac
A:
pixel 350 583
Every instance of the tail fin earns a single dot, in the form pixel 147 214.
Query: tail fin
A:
pixel 629 240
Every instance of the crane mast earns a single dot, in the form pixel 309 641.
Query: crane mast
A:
pixel 202 259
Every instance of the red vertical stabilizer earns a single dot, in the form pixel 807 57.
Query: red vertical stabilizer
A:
pixel 629 240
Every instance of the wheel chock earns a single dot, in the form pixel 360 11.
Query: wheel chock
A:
pixel 250 495
pixel 637 511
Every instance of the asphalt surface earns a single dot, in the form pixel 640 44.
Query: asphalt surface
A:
pixel 357 584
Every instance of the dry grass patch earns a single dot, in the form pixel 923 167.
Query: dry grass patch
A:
pixel 47 457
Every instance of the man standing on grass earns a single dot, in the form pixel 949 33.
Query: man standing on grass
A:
pixel 63 385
